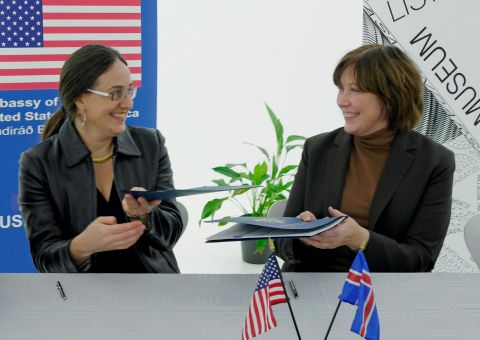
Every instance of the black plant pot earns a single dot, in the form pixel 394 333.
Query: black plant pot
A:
pixel 250 256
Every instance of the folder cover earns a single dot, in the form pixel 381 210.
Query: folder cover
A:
pixel 168 194
pixel 254 228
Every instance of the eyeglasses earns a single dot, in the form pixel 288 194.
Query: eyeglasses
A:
pixel 117 94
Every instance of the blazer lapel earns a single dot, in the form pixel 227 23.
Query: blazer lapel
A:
pixel 72 144
pixel 396 166
pixel 337 164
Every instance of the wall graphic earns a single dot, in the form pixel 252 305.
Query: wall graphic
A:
pixel 439 36
pixel 36 36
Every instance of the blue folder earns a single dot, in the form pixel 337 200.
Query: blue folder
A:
pixel 169 194
pixel 255 228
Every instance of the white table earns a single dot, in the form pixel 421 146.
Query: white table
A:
pixel 156 306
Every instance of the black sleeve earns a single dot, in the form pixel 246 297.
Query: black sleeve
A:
pixel 166 225
pixel 48 247
pixel 419 248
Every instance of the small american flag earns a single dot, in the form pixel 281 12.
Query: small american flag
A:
pixel 358 290
pixel 37 36
pixel 270 291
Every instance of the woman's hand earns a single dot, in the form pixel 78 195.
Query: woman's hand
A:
pixel 347 233
pixel 104 234
pixel 138 207
pixel 307 216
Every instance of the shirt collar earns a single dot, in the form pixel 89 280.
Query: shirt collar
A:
pixel 76 151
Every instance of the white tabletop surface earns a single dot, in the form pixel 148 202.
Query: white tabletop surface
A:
pixel 156 306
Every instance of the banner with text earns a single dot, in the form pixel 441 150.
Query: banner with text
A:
pixel 36 37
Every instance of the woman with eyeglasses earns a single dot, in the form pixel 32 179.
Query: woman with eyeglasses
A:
pixel 70 185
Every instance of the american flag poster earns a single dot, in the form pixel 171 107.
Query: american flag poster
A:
pixel 36 37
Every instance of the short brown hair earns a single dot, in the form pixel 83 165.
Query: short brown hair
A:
pixel 389 73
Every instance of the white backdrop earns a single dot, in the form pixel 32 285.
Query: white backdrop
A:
pixel 218 63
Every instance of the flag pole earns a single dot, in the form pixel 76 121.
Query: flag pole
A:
pixel 272 248
pixel 333 319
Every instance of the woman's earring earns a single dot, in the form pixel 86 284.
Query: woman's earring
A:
pixel 84 121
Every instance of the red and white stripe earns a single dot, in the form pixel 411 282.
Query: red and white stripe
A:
pixel 369 303
pixel 260 316
pixel 115 23
pixel 276 291
pixel 354 277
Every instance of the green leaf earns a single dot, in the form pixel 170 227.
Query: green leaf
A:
pixel 220 182
pixel 262 150
pixel 294 138
pixel 274 167
pixel 212 206
pixel 221 224
pixel 269 189
pixel 245 175
pixel 278 129
pixel 232 165
pixel 287 169
pixel 261 244
pixel 291 147
pixel 239 192
pixel 226 171
pixel 234 180
pixel 260 173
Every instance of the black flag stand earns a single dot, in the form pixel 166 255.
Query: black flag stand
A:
pixel 333 319
pixel 272 248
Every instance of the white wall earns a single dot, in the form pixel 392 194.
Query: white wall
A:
pixel 219 61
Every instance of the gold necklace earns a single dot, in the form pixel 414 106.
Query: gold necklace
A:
pixel 103 159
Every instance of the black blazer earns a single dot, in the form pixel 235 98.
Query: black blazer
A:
pixel 409 214
pixel 58 198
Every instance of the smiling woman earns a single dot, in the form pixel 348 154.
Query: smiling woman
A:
pixel 363 112
pixel 393 183
pixel 75 215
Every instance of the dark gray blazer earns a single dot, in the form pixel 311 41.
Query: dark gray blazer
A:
pixel 410 211
pixel 58 198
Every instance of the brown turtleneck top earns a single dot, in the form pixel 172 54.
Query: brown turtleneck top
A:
pixel 367 159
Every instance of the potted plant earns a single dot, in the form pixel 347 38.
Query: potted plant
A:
pixel 275 177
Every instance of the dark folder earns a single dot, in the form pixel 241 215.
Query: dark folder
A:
pixel 248 228
pixel 168 194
